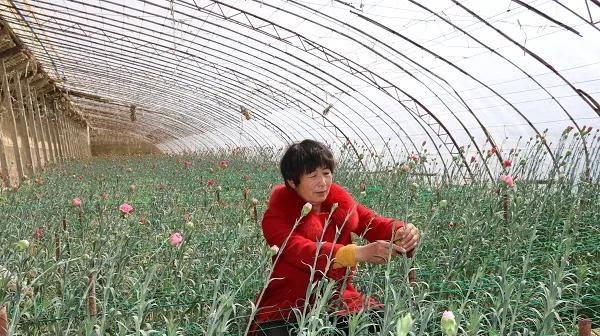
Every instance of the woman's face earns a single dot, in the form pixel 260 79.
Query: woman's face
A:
pixel 314 186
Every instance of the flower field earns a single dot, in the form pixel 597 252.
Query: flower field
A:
pixel 171 245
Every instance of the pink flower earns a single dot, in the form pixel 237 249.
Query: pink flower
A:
pixel 176 239
pixel 447 315
pixel 211 182
pixel 76 202
pixel 508 179
pixel 38 233
pixel 126 209
pixel 494 150
pixel 224 164
pixel 414 157
pixel 507 163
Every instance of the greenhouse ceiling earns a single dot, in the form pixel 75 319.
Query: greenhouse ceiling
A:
pixel 388 76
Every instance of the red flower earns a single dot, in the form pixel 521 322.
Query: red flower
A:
pixel 224 164
pixel 211 182
pixel 494 150
pixel 507 163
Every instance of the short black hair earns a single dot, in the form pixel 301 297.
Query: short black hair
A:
pixel 305 157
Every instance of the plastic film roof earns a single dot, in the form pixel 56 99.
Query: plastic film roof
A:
pixel 385 75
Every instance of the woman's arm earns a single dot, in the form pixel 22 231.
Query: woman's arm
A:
pixel 375 227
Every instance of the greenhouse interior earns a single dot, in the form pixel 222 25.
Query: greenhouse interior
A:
pixel 299 167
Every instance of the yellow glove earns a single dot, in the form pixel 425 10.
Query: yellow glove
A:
pixel 345 256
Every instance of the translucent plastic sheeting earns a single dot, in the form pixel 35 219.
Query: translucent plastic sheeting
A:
pixel 386 75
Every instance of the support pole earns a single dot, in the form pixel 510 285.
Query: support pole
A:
pixel 13 122
pixel 43 135
pixel 29 166
pixel 34 128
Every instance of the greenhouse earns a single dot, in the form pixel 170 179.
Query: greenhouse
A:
pixel 299 167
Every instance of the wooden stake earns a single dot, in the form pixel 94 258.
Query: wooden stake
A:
pixel 91 295
pixel 3 321
pixel 505 205
pixel 585 327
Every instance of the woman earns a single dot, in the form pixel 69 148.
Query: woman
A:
pixel 321 241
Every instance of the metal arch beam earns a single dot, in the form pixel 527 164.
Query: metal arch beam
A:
pixel 591 23
pixel 270 71
pixel 276 65
pixel 155 115
pixel 551 68
pixel 336 58
pixel 390 85
pixel 182 132
pixel 80 69
pixel 507 60
pixel 463 72
pixel 324 54
pixel 264 60
pixel 265 84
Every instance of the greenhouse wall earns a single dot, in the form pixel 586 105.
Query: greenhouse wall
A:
pixel 38 124
pixel 109 143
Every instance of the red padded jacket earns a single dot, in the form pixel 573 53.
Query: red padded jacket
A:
pixel 315 238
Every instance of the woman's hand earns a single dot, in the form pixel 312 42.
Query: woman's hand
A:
pixel 377 252
pixel 407 237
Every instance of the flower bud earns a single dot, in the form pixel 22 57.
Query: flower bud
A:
pixel 22 245
pixel 404 325
pixel 448 323
pixel 306 209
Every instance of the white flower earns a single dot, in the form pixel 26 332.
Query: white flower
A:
pixel 306 209
pixel 274 249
